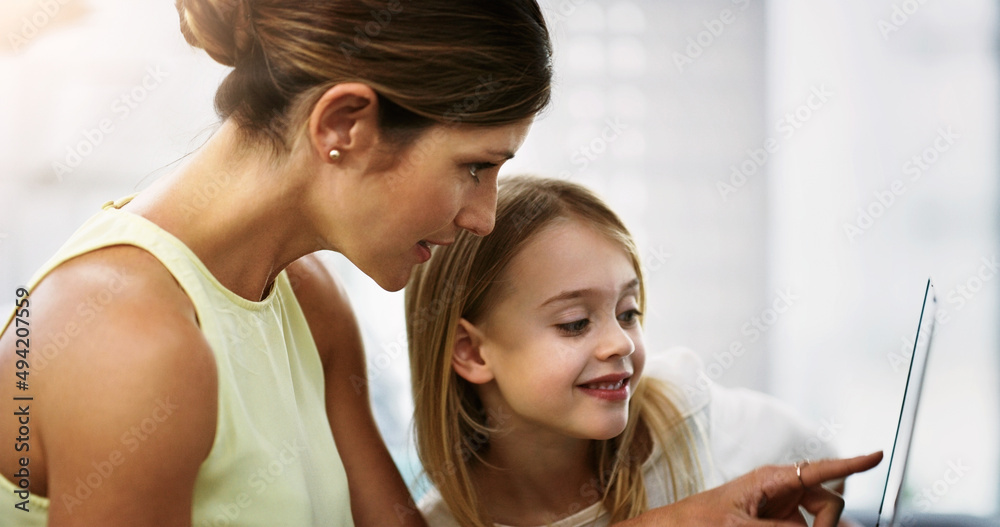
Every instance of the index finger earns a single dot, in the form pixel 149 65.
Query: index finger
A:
pixel 817 472
pixel 754 522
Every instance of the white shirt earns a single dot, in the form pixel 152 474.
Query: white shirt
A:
pixel 736 431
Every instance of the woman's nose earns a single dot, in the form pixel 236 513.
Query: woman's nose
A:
pixel 479 214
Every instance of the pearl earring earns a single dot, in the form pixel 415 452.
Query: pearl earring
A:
pixel 334 154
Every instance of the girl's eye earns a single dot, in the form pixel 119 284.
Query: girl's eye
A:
pixel 574 328
pixel 474 169
pixel 629 317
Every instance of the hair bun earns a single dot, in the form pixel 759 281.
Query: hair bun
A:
pixel 220 27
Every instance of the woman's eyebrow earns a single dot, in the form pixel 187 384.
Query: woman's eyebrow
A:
pixel 506 154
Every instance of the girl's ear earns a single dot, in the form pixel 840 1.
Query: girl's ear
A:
pixel 467 360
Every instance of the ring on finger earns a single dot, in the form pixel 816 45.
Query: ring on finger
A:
pixel 799 465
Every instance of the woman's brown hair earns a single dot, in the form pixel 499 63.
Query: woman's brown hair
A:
pixel 465 280
pixel 430 61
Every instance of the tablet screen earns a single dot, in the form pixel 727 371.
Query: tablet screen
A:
pixel 908 413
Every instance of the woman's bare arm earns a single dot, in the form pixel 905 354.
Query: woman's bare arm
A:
pixel 124 407
pixel 379 496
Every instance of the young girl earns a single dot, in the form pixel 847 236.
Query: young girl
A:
pixel 535 401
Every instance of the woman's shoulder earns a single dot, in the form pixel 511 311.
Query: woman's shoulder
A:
pixel 117 353
pixel 115 319
pixel 105 309
pixel 117 288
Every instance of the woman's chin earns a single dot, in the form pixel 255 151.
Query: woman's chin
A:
pixel 391 279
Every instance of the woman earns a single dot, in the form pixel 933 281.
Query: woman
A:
pixel 197 361
pixel 212 387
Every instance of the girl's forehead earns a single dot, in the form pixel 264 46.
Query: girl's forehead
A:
pixel 570 253
pixel 571 237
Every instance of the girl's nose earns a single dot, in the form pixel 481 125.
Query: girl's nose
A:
pixel 615 342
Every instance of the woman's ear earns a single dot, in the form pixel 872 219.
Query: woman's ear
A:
pixel 344 119
pixel 467 359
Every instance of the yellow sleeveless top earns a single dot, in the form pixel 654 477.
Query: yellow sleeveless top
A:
pixel 273 461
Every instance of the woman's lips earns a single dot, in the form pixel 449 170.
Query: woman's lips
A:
pixel 424 248
pixel 423 251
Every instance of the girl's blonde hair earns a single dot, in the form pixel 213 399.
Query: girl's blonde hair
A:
pixel 461 281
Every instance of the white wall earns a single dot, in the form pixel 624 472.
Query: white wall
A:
pixel 918 82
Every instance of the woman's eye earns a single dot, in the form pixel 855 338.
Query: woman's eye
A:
pixel 574 328
pixel 629 317
pixel 474 169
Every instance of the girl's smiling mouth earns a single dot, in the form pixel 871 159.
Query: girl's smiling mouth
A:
pixel 614 387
